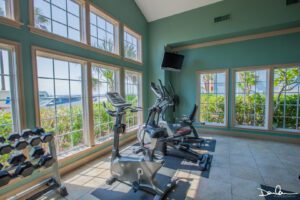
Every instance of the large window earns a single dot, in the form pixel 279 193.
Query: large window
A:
pixel 213 98
pixel 9 104
pixel 133 94
pixel 103 80
pixel 286 98
pixel 60 99
pixel 61 17
pixel 104 31
pixel 251 98
pixel 132 45
pixel 6 9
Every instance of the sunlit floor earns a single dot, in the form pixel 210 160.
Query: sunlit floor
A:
pixel 238 168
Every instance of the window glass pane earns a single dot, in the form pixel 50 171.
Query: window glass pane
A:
pixel 3 11
pixel 109 27
pixel 57 15
pixel 74 21
pixel 60 3
pixel 61 102
pixel 61 69
pixel 75 71
pixel 250 98
pixel 133 94
pixel 93 30
pixel 42 8
pixel 73 8
pixel 93 19
pixel 45 67
pixel 74 34
pixel 7 98
pixel 286 98
pixel 60 15
pixel 101 23
pixel 103 81
pixel 59 29
pixel 212 98
pixel 102 31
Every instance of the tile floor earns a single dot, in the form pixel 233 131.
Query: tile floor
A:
pixel 238 168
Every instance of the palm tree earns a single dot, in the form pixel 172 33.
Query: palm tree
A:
pixel 108 74
pixel 40 19
pixel 130 52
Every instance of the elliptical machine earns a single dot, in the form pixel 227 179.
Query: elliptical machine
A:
pixel 139 173
pixel 178 142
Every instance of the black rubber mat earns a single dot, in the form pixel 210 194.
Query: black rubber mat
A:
pixel 209 145
pixel 119 191
pixel 271 193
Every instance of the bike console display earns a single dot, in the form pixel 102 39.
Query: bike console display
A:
pixel 117 100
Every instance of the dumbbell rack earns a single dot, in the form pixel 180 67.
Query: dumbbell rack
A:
pixel 49 184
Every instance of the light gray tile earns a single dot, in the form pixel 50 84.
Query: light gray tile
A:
pixel 220 173
pixel 213 189
pixel 277 176
pixel 243 161
pixel 246 173
pixel 245 188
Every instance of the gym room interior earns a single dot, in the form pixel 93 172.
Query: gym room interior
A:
pixel 150 99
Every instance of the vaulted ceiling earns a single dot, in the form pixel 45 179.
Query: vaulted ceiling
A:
pixel 158 9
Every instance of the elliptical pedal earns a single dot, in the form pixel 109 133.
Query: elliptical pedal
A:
pixel 204 162
pixel 111 180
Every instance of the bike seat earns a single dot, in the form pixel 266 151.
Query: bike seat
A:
pixel 155 132
pixel 183 131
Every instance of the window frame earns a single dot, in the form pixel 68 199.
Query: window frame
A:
pixel 38 51
pixel 139 38
pixel 285 130
pixel 83 25
pixel 18 110
pixel 116 25
pixel 226 93
pixel 118 88
pixel 267 104
pixel 13 17
pixel 140 113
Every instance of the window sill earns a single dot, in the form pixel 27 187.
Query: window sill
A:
pixel 198 125
pixel 10 22
pixel 69 41
pixel 133 61
pixel 251 128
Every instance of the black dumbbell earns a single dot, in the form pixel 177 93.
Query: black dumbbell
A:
pixel 5 148
pixel 5 177
pixel 36 152
pixel 24 169
pixel 46 137
pixel 16 159
pixel 19 144
pixel 46 161
pixel 33 140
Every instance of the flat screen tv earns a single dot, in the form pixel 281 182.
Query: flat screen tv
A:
pixel 172 61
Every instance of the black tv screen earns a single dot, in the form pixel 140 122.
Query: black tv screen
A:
pixel 172 61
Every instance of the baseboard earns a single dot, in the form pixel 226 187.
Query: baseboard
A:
pixel 249 135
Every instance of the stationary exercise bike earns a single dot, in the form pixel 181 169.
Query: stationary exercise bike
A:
pixel 139 173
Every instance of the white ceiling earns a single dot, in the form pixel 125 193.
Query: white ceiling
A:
pixel 157 9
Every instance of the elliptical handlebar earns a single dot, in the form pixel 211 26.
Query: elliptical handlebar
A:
pixel 114 113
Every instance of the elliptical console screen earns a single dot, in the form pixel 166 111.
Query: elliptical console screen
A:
pixel 116 99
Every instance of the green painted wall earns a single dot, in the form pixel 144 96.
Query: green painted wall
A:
pixel 118 9
pixel 253 16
